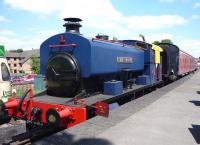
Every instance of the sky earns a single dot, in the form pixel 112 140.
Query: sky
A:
pixel 27 23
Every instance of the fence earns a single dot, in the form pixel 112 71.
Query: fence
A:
pixel 38 86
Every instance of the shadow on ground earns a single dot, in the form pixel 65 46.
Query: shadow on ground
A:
pixel 198 92
pixel 195 131
pixel 69 139
pixel 195 102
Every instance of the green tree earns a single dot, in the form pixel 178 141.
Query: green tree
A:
pixel 156 42
pixel 35 64
pixel 167 41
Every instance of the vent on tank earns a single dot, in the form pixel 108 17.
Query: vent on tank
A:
pixel 102 36
pixel 72 25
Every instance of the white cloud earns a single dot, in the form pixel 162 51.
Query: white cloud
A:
pixel 191 46
pixel 154 22
pixel 2 19
pixel 97 14
pixel 197 5
pixel 7 32
pixel 47 33
pixel 195 17
pixel 158 37
pixel 40 6
pixel 17 42
pixel 12 40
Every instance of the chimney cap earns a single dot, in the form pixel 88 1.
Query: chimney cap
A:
pixel 72 19
pixel 72 25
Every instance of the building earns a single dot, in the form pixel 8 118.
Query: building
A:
pixel 20 62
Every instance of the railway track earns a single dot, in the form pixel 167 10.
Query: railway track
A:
pixel 30 136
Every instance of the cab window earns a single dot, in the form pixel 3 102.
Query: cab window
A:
pixel 5 72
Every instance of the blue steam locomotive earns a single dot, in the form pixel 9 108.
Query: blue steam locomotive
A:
pixel 73 63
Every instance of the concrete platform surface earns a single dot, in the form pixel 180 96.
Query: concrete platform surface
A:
pixel 172 120
pixel 168 116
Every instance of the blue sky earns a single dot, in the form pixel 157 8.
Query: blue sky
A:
pixel 27 23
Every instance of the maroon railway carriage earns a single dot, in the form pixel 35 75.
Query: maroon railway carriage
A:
pixel 187 63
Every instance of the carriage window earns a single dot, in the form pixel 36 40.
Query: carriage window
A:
pixel 5 72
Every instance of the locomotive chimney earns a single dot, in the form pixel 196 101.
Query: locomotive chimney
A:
pixel 72 25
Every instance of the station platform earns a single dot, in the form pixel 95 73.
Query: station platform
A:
pixel 167 116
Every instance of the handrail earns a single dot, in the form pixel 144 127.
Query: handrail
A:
pixel 62 45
